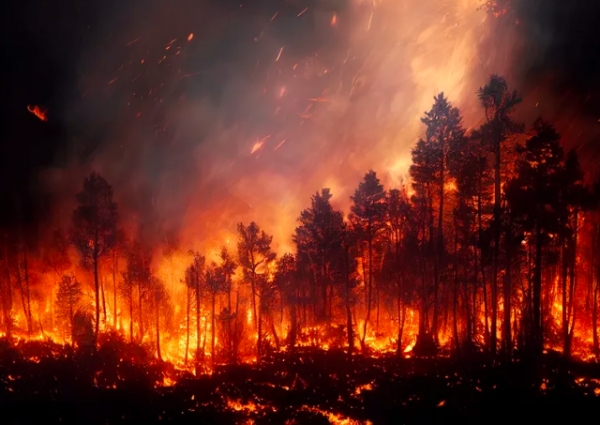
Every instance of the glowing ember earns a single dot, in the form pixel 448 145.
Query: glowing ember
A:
pixel 38 111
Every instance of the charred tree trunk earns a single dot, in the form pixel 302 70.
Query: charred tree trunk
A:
pixel 27 294
pixel 131 314
pixel 187 324
pixel 212 328
pixel 197 294
pixel 157 312
pixel 369 290
pixel 115 266
pixel 537 330
pixel 103 300
pixel 97 289
pixel 507 338
pixel 572 285
pixel 496 253
pixel 141 324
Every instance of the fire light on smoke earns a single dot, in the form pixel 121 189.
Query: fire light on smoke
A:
pixel 38 111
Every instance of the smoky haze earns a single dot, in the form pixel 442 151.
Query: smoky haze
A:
pixel 203 114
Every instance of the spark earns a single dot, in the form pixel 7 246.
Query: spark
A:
pixel 279 145
pixel 303 12
pixel 274 16
pixel 334 20
pixel 279 54
pixel 112 81
pixel 38 112
pixel 171 42
pixel 133 41
pixel 259 144
pixel 190 37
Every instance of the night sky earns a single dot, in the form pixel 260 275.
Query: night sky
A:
pixel 43 41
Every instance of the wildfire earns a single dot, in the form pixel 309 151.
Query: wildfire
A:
pixel 38 111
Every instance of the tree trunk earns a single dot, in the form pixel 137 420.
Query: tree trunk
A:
pixel 141 324
pixel 496 254
pixel 187 324
pixel 572 285
pixel 212 329
pixel 506 338
pixel 103 300
pixel 537 334
pixel 157 312
pixel 131 314
pixel 97 288
pixel 369 293
pixel 197 294
pixel 115 265
pixel 27 292
pixel 254 312
pixel 455 293
pixel 7 298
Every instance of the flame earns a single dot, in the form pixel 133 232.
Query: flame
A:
pixel 38 111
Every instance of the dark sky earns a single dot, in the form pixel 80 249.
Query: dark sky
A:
pixel 43 41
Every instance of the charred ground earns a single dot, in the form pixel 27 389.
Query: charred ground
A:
pixel 121 383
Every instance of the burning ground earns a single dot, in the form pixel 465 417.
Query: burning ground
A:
pixel 46 382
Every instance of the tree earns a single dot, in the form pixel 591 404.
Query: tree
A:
pixel 94 229
pixel 444 133
pixel 68 298
pixel 137 277
pixel 159 298
pixel 255 255
pixel 368 221
pixel 194 279
pixel 499 104
pixel 286 280
pixel 398 211
pixel 318 240
pixel 224 274
pixel 534 196
pixel 423 175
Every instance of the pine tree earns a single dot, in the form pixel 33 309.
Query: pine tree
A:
pixel 498 104
pixel 367 217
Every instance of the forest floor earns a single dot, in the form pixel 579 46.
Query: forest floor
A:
pixel 43 382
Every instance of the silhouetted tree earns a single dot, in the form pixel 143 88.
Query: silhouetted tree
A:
pixel 499 104
pixel 534 196
pixel 317 239
pixel 368 221
pixel 95 228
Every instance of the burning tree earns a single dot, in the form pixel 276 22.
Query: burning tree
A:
pixel 499 104
pixel 68 299
pixel 94 229
pixel 194 280
pixel 255 256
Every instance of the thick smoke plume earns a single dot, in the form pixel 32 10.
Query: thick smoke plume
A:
pixel 203 114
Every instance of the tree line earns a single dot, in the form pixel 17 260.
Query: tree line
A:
pixel 494 243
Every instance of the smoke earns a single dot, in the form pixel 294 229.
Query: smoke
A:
pixel 204 114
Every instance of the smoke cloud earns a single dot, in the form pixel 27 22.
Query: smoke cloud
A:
pixel 204 114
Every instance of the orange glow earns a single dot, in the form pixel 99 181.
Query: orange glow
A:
pixel 38 111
